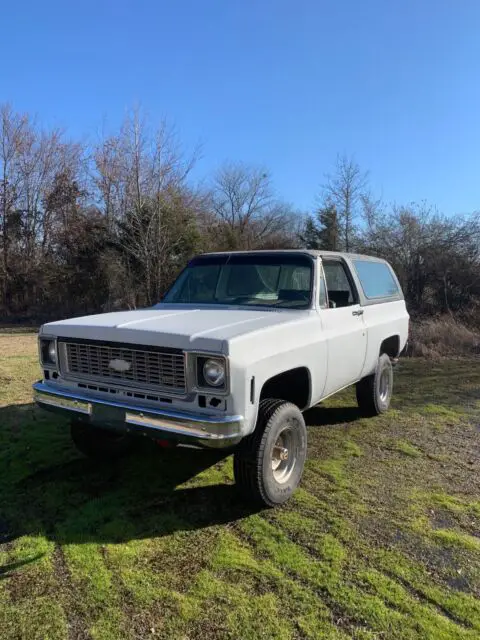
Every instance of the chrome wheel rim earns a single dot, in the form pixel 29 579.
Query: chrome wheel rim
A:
pixel 384 387
pixel 284 455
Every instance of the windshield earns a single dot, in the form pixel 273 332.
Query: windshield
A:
pixel 282 281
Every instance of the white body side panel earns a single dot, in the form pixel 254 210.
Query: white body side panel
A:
pixel 346 337
pixel 382 321
pixel 269 352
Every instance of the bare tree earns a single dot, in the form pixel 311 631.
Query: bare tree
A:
pixel 344 188
pixel 30 161
pixel 436 258
pixel 141 182
pixel 13 129
pixel 244 201
pixel 372 209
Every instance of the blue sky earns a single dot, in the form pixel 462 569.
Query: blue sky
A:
pixel 285 84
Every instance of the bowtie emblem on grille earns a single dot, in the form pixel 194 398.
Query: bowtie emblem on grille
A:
pixel 120 365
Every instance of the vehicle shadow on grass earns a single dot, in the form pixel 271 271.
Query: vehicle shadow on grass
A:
pixel 47 488
pixel 321 416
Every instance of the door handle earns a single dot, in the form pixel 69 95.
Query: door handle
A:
pixel 357 313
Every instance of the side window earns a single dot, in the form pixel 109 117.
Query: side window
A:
pixel 376 279
pixel 322 292
pixel 340 292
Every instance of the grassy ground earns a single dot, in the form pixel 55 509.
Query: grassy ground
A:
pixel 381 541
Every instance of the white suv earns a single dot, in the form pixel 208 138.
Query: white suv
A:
pixel 238 348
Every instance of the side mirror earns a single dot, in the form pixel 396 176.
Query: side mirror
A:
pixel 332 304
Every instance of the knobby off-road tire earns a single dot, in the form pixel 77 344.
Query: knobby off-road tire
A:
pixel 374 392
pixel 98 443
pixel 268 464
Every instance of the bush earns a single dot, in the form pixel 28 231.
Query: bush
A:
pixel 442 337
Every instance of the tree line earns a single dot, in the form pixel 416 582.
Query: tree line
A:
pixel 90 228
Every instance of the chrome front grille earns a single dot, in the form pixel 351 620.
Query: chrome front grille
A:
pixel 127 365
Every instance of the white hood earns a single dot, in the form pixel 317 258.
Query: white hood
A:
pixel 174 325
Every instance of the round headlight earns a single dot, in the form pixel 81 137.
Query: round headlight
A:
pixel 52 353
pixel 214 373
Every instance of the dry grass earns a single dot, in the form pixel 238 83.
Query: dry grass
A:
pixel 18 345
pixel 18 364
pixel 380 541
pixel 443 337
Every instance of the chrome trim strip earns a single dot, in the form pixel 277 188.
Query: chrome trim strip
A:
pixel 79 406
pixel 203 427
pixel 186 429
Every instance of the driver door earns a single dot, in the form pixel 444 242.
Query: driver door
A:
pixel 343 326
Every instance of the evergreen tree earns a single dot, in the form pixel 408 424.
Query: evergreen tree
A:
pixel 310 236
pixel 322 230
pixel 329 228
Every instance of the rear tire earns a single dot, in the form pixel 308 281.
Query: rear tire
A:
pixel 98 443
pixel 374 392
pixel 268 464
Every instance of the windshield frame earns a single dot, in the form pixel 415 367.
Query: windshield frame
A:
pixel 267 257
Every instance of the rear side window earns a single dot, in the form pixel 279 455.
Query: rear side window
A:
pixel 376 279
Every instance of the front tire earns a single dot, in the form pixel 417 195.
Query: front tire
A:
pixel 98 443
pixel 374 392
pixel 268 464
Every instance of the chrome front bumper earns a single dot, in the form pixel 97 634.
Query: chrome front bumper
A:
pixel 204 430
